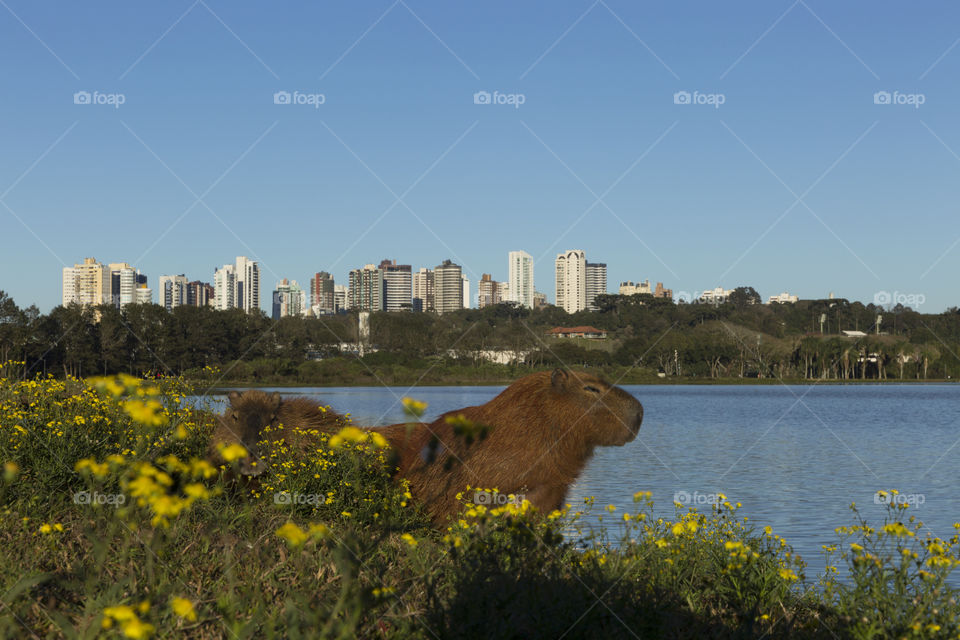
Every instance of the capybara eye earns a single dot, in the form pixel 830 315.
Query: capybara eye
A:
pixel 235 416
pixel 591 388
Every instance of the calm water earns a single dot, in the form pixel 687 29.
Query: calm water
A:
pixel 796 457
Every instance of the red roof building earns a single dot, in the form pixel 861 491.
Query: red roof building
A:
pixel 577 332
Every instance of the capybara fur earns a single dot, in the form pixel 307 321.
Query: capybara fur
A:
pixel 249 415
pixel 542 429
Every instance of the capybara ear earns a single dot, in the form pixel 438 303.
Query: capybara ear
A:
pixel 275 398
pixel 558 378
pixel 234 396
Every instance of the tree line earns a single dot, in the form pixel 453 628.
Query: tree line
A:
pixel 736 339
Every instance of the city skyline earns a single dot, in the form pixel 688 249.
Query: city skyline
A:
pixel 776 145
pixel 385 287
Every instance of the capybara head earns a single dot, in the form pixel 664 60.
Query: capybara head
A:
pixel 246 419
pixel 605 415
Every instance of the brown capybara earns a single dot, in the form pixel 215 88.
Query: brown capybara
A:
pixel 249 415
pixel 542 429
pixel 538 434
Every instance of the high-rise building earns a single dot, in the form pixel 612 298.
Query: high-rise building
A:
pixel 143 295
pixel 397 285
pixel 321 294
pixel 225 287
pixel 200 294
pixel 448 287
pixel 466 291
pixel 423 290
pixel 490 292
pixel 630 288
pixel 596 282
pixel 89 283
pixel 520 279
pixel 366 289
pixel 289 299
pixel 248 284
pixel 340 297
pixel 539 300
pixel 660 292
pixel 123 283
pixel 238 285
pixel 172 291
pixel 571 272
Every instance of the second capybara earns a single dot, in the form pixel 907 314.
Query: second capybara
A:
pixel 541 430
pixel 254 416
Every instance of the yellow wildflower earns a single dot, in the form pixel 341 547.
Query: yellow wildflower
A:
pixel 294 535
pixel 232 452
pixel 183 608
pixel 414 407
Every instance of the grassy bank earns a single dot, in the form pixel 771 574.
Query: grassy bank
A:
pixel 113 525
pixel 377 371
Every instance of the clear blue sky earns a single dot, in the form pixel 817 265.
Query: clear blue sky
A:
pixel 692 195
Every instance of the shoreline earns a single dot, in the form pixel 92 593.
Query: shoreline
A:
pixel 733 382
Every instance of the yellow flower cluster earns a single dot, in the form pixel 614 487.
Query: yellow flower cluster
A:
pixel 153 487
pixel 150 412
pixel 126 618
pixel 414 408
pixel 297 537
pixel 355 435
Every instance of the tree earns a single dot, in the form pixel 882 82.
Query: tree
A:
pixel 743 296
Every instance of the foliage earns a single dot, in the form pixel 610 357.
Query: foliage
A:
pixel 648 336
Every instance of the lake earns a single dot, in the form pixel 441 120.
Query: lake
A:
pixel 794 456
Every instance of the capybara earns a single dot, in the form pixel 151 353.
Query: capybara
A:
pixel 250 413
pixel 542 429
pixel 538 434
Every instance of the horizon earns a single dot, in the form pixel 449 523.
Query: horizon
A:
pixel 790 147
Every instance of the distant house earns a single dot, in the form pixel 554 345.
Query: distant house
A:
pixel 853 334
pixel 577 332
